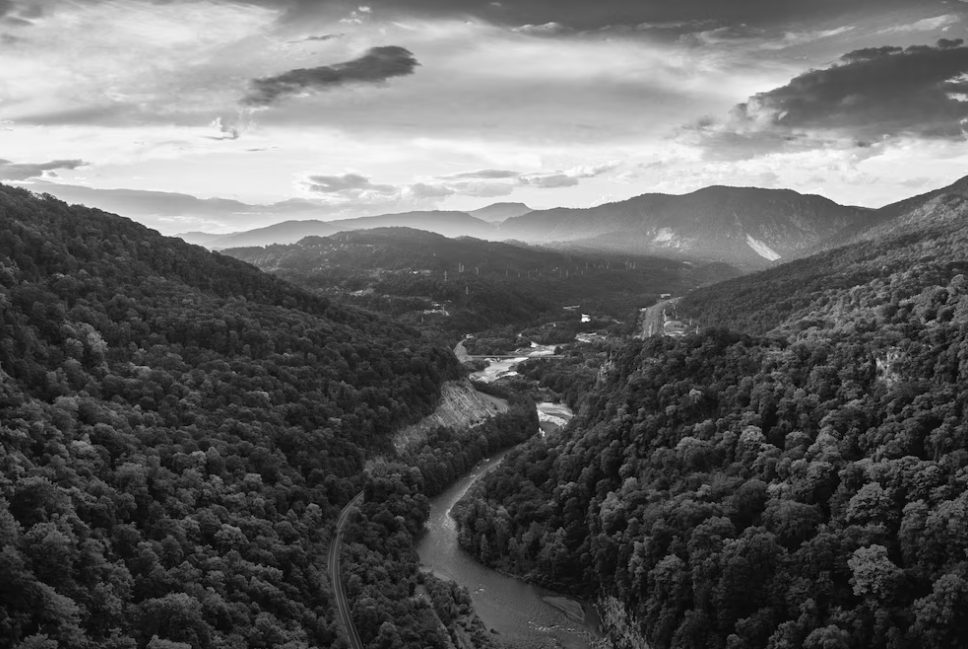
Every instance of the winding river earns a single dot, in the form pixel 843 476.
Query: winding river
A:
pixel 523 615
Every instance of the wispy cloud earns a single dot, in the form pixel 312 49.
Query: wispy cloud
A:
pixel 355 188
pixel 484 174
pixel 924 25
pixel 503 179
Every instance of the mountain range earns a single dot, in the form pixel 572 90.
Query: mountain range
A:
pixel 742 226
pixel 746 227
pixel 446 223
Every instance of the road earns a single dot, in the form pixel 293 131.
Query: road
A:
pixel 653 318
pixel 346 619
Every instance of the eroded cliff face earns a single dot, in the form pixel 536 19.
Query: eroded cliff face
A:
pixel 461 407
pixel 621 629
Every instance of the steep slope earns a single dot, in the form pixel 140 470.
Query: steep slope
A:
pixel 909 216
pixel 746 227
pixel 912 245
pixel 461 408
pixel 177 430
pixel 500 212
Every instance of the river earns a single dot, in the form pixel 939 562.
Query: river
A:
pixel 499 368
pixel 518 611
pixel 522 614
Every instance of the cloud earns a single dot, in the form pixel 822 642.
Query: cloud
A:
pixel 485 174
pixel 569 178
pixel 353 189
pixel 585 15
pixel 545 29
pixel 356 189
pixel 321 37
pixel 347 186
pixel 869 96
pixel 374 67
pixel 551 181
pixel 25 171
pixel 541 180
pixel 924 25
pixel 753 38
pixel 24 13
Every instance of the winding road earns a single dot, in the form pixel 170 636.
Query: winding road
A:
pixel 346 619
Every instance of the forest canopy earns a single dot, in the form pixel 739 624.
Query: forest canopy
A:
pixel 802 484
pixel 177 432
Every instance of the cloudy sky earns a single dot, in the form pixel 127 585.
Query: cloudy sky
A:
pixel 222 115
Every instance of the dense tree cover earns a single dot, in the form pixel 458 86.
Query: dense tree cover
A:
pixel 487 284
pixel 733 491
pixel 571 377
pixel 177 433
pixel 380 564
pixel 447 454
pixel 382 577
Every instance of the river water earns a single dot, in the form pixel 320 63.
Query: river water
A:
pixel 522 614
pixel 499 368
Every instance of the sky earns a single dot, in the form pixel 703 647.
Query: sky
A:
pixel 221 116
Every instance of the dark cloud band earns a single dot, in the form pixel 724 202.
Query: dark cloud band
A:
pixel 869 96
pixel 875 93
pixel 376 66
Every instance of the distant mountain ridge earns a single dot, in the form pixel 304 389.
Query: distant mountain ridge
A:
pixel 285 232
pixel 500 212
pixel 743 226
pixel 446 223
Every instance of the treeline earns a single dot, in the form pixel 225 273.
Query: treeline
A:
pixel 740 492
pixel 177 434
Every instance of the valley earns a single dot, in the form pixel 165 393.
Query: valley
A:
pixel 427 324
pixel 557 417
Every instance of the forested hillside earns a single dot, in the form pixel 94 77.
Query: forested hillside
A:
pixel 401 271
pixel 177 431
pixel 806 489
pixel 915 245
